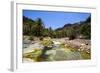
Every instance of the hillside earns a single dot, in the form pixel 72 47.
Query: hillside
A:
pixel 37 28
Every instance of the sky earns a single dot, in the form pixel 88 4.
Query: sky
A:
pixel 55 19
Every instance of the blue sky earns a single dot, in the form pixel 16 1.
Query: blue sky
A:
pixel 55 19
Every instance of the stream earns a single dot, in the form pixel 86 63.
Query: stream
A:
pixel 55 53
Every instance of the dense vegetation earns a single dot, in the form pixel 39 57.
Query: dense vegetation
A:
pixel 37 28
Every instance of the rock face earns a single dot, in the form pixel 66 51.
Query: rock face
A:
pixel 80 44
pixel 32 47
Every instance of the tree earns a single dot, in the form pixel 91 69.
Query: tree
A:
pixel 45 33
pixel 50 32
pixel 27 26
pixel 39 27
pixel 71 33
pixel 33 27
pixel 86 30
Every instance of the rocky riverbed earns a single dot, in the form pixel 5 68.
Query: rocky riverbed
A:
pixel 56 50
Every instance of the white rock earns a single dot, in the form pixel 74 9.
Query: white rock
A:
pixel 56 43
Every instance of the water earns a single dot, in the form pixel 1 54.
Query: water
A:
pixel 56 53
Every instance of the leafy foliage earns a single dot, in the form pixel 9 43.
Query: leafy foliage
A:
pixel 37 28
pixel 86 30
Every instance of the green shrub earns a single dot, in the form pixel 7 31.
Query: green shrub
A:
pixel 47 42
